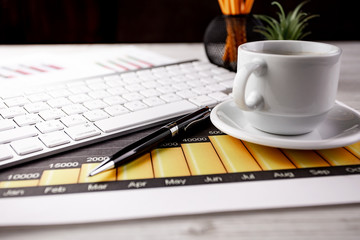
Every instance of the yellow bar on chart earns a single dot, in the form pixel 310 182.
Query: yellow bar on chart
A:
pixel 107 176
pixel 169 162
pixel 305 158
pixel 269 158
pixel 339 157
pixel 19 183
pixel 202 158
pixel 354 149
pixel 138 169
pixel 59 176
pixel 233 154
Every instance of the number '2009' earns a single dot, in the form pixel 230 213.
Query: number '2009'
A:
pixel 97 159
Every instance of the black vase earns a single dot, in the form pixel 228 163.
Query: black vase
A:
pixel 223 36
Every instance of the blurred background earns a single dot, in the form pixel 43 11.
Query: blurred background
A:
pixel 150 21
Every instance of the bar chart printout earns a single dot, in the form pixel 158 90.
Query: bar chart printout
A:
pixel 205 158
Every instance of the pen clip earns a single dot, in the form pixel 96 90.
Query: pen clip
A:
pixel 206 115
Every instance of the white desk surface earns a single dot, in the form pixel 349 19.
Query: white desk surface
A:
pixel 326 222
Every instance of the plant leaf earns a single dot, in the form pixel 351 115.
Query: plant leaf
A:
pixel 288 26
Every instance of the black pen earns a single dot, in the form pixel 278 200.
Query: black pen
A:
pixel 136 149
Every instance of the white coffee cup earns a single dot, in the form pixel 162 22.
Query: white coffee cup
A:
pixel 286 87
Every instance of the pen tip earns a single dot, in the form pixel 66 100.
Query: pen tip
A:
pixel 101 168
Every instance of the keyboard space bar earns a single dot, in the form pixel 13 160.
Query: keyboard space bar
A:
pixel 145 117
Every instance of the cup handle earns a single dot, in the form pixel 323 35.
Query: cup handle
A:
pixel 254 100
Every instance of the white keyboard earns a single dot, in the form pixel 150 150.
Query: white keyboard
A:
pixel 52 119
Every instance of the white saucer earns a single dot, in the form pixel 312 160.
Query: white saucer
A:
pixel 341 128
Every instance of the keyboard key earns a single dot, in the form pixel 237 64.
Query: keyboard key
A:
pixel 219 96
pixel 49 126
pixel 17 133
pixel 216 87
pixel 12 112
pixel 193 76
pixel 59 102
pixel 171 97
pixel 10 94
pixel 135 105
pixel 59 93
pixel 5 153
pixel 39 97
pixel 7 124
pixel 96 115
pixel 187 93
pixel 95 104
pixel 36 107
pixel 180 78
pixel 202 101
pixel 80 132
pixel 26 146
pixel 114 100
pixel 132 96
pixel 74 109
pixel 150 93
pixel 201 90
pixel 52 114
pixel 28 119
pixel 166 89
pixel 73 120
pixel 146 116
pixel 180 86
pixel 17 101
pixel 150 84
pixel 195 83
pixel 205 74
pixel 55 139
pixel 153 101
pixel 98 94
pixel 80 98
pixel 134 87
pixel 208 80
pixel 116 110
pixel 117 90
pixel 165 81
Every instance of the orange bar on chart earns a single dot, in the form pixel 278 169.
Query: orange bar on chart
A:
pixel 139 169
pixel 269 158
pixel 233 154
pixel 354 149
pixel 202 158
pixel 339 157
pixel 107 176
pixel 59 176
pixel 19 183
pixel 169 162
pixel 305 158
